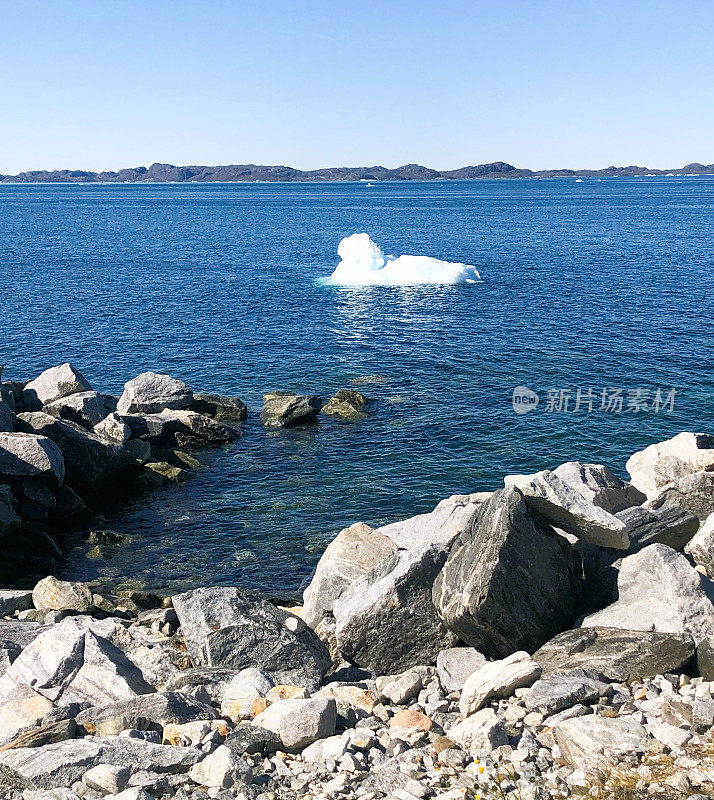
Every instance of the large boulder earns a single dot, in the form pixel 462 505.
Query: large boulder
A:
pixel 455 664
pixel 564 690
pixel 55 595
pixel 565 508
pixel 497 679
pixel 600 486
pixel 510 582
pixel 64 763
pixel 593 743
pixel 224 409
pixel 90 460
pixel 152 392
pixel 620 655
pixel 85 408
pixel 659 464
pixel 53 384
pixel 298 722
pixel 659 590
pixel 226 627
pixel 27 455
pixel 144 712
pixel 69 663
pixel 387 622
pixel 670 525
pixel 701 546
pixel 285 410
pixel 7 418
pixel 172 428
pixel 353 553
pixel 694 493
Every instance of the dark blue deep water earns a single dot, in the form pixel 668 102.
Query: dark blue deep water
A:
pixel 590 285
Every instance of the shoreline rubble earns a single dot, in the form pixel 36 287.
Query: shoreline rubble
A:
pixel 550 639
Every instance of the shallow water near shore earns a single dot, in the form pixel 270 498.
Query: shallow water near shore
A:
pixel 595 285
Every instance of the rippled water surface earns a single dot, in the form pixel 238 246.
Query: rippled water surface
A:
pixel 590 285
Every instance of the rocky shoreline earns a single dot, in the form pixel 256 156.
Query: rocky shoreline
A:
pixel 550 639
pixel 66 450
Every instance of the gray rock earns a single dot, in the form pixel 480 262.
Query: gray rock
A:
pixel 44 734
pixel 592 743
pixel 226 409
pixel 498 679
pixel 231 628
pixel 113 427
pixel 9 523
pixel 12 600
pixel 241 693
pixel 223 769
pixel 90 460
pixel 565 508
pixel 211 680
pixel 510 582
pixel 479 733
pixel 693 493
pixel 353 553
pixel 659 590
pixel 144 712
pixel 7 418
pixel 26 455
pixel 85 408
pixel 20 632
pixel 600 486
pixel 346 404
pixel 660 464
pixel 560 691
pixel 53 384
pixel 705 658
pixel 59 764
pixel 387 622
pixel 250 739
pixel 670 525
pixel 69 663
pixel 56 595
pixel 701 546
pixel 172 428
pixel 284 410
pixel 152 392
pixel 621 655
pixel 454 665
pixel 106 778
pixel 299 723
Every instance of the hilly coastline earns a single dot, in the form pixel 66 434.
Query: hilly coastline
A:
pixel 168 173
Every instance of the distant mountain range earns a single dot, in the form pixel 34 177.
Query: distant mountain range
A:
pixel 165 173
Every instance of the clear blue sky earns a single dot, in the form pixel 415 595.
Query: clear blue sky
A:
pixel 102 84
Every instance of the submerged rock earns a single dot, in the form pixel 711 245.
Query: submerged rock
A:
pixel 285 410
pixel 53 384
pixel 510 582
pixel 346 404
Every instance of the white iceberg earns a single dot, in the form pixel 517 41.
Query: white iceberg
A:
pixel 363 263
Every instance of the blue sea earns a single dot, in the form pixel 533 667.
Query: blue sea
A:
pixel 592 286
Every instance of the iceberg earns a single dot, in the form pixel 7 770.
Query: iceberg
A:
pixel 363 263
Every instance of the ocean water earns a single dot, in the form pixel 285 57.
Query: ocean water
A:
pixel 588 286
